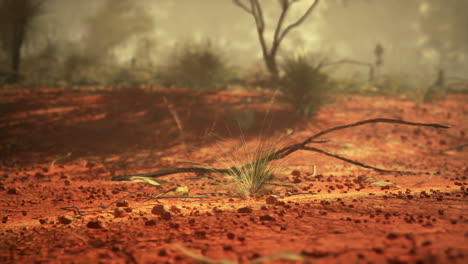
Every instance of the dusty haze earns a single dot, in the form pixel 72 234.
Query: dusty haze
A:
pixel 418 37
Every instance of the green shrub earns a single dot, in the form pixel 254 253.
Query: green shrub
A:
pixel 196 66
pixel 304 86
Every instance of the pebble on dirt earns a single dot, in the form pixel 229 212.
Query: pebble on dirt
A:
pixel 65 219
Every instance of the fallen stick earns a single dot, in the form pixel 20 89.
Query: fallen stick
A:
pixel 288 150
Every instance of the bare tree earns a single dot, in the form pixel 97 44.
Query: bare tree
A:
pixel 15 20
pixel 254 8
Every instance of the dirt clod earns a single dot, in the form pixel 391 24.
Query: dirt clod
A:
pixel 119 212
pixel 65 219
pixel 123 203
pixel 244 210
pixel 13 191
pixel 267 218
pixel 95 224
pixel 158 209
pixel 271 200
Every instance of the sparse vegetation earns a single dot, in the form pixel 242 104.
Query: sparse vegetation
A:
pixel 196 65
pixel 304 86
pixel 250 172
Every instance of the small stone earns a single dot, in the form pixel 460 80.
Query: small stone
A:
pixel 267 218
pixel 392 236
pixel 150 222
pixel 65 219
pixel 227 248
pixel 296 173
pixel 166 216
pixel 174 225
pixel 123 203
pixel 280 203
pixel 39 175
pixel 271 200
pixel 200 234
pixel 13 191
pixel 158 209
pixel 95 224
pixel 43 221
pixel 244 210
pixel 119 212
pixel 175 210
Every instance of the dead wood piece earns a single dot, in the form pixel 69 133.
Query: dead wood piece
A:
pixel 290 149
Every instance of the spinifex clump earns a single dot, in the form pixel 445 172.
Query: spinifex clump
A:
pixel 250 172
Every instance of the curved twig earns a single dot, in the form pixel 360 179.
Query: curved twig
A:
pixel 290 149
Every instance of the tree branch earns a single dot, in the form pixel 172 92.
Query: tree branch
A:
pixel 288 150
pixel 352 161
pixel 299 21
pixel 279 25
pixel 260 22
pixel 243 6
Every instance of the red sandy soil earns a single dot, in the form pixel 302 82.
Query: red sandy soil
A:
pixel 115 132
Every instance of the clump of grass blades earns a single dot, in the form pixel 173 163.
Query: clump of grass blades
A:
pixel 250 172
pixel 305 87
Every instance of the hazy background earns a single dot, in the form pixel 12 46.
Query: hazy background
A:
pixel 419 36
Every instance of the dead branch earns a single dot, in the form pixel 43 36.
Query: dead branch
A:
pixel 256 11
pixel 299 21
pixel 176 119
pixel 289 150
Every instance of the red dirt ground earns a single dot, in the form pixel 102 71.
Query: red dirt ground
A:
pixel 123 131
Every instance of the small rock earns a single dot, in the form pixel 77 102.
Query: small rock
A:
pixel 123 203
pixel 13 191
pixel 280 203
pixel 271 200
pixel 175 210
pixel 244 210
pixel 119 212
pixel 150 222
pixel 39 175
pixel 65 219
pixel 296 173
pixel 43 221
pixel 166 216
pixel 95 224
pixel 200 234
pixel 174 225
pixel 267 218
pixel 158 209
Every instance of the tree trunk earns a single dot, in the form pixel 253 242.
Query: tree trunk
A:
pixel 16 44
pixel 272 67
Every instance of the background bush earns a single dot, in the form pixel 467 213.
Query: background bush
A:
pixel 198 65
pixel 304 86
